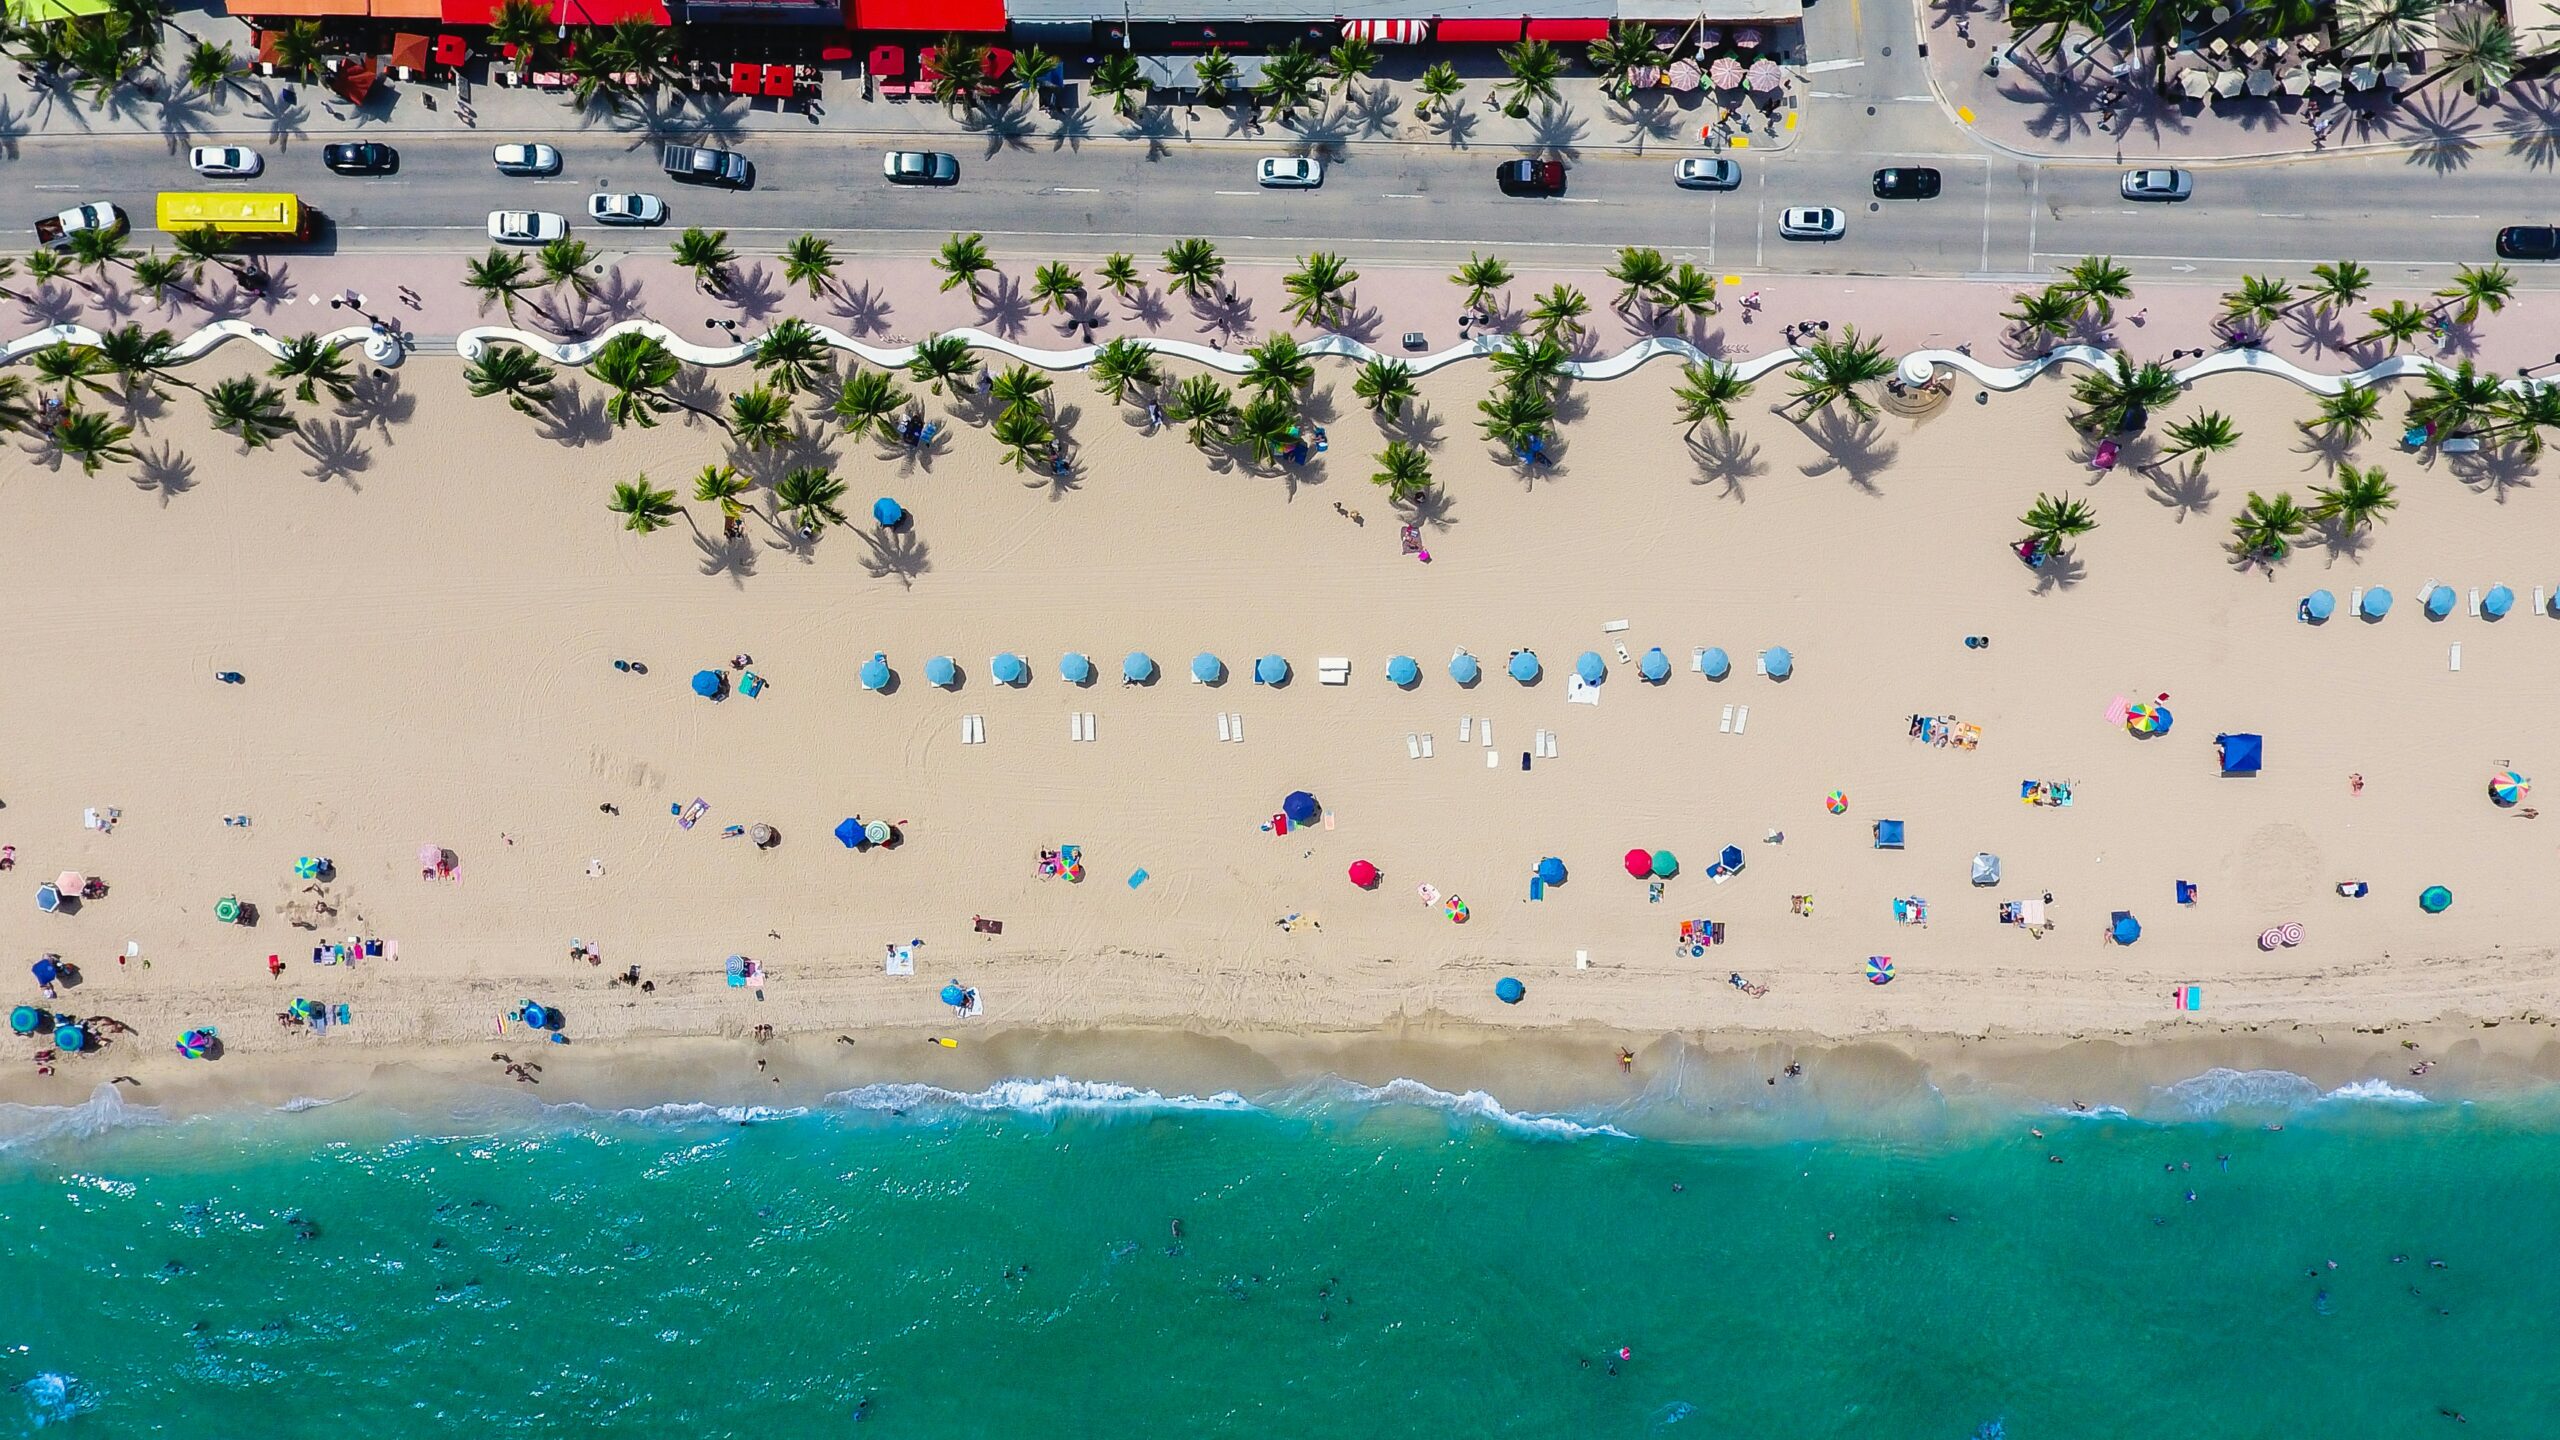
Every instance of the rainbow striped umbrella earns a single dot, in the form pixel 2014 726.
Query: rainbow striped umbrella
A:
pixel 2146 718
pixel 2507 787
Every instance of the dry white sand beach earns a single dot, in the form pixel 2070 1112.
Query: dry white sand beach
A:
pixel 426 633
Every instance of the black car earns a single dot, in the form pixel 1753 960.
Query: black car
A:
pixel 365 157
pixel 706 165
pixel 1905 183
pixel 1530 177
pixel 2529 242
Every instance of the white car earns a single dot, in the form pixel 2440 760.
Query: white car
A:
pixel 1288 172
pixel 1706 172
pixel 2157 185
pixel 527 160
pixel 626 209
pixel 920 167
pixel 1811 222
pixel 526 227
pixel 225 162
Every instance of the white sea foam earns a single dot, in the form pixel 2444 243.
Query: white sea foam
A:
pixel 105 1110
pixel 2377 1090
pixel 2220 1089
pixel 1054 1096
pixel 1333 1092
pixel 678 1113
pixel 300 1103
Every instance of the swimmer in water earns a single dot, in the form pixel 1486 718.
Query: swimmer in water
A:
pixel 862 1411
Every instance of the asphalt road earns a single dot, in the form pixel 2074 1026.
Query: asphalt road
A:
pixel 1388 201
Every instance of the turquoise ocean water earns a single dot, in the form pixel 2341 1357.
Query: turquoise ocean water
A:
pixel 1349 1262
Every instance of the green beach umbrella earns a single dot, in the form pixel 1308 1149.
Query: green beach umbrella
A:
pixel 306 868
pixel 2434 899
pixel 227 909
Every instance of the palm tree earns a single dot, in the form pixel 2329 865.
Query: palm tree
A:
pixel 1689 290
pixel 512 371
pixel 1514 418
pixel 1277 366
pixel 73 367
pixel 1118 272
pixel 794 354
pixel 1534 66
pixel 1117 77
pixel 526 27
pixel 868 401
pixel 17 412
pixel 959 71
pixel 1213 76
pixel 2454 402
pixel 298 49
pixel 1560 310
pixel 2379 29
pixel 2337 285
pixel 2109 399
pixel 1615 55
pixel 1387 385
pixel 1025 434
pixel 2256 305
pixel 1709 391
pixel 642 54
pixel 1120 364
pixel 1316 288
pixel 1350 62
pixel 1265 426
pixel 1289 79
pixel 643 507
pixel 1480 277
pixel 1403 469
pixel 637 369
pixel 1829 370
pixel 940 360
pixel 500 276
pixel 2027 18
pixel 93 439
pixel 1639 271
pixel 2097 282
pixel 2265 529
pixel 210 70
pixel 2398 322
pixel 200 247
pixel 1056 286
pixel 2361 498
pixel 760 417
pixel 723 486
pixel 963 259
pixel 2053 520
pixel 136 356
pixel 564 262
pixel 252 411
pixel 1204 405
pixel 2350 412
pixel 1020 388
pixel 2051 311
pixel 98 249
pixel 314 366
pixel 809 261
pixel 707 254
pixel 2477 287
pixel 2475 47
pixel 2203 434
pixel 811 497
pixel 1440 86
pixel 2523 414
pixel 1526 364
pixel 1192 264
pixel 158 274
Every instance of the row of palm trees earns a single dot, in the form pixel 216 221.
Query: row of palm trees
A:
pixel 129 365
pixel 2471 45
pixel 2264 531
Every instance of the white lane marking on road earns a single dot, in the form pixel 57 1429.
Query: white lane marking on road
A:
pixel 1986 214
pixel 2035 203
pixel 1074 190
pixel 1576 200
pixel 1399 197
pixel 2234 259
pixel 1820 66
pixel 2274 215
pixel 1827 94
pixel 2453 217
pixel 1232 192
pixel 1915 99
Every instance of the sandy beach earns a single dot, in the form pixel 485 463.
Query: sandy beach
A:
pixel 426 635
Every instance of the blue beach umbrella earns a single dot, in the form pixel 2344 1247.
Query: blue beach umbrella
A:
pixel 876 831
pixel 1300 807
pixel 1524 666
pixel 875 673
pixel 1665 865
pixel 2321 605
pixel 2377 603
pixel 1655 666
pixel 849 833
pixel 1781 663
pixel 1270 670
pixel 886 512
pixel 1731 859
pixel 1402 671
pixel 1138 667
pixel 1718 664
pixel 2440 602
pixel 2497 602
pixel 954 995
pixel 1008 669
pixel 1074 668
pixel 45 970
pixel 71 1038
pixel 48 900
pixel 1464 669
pixel 1551 870
pixel 2124 928
pixel 1509 991
pixel 940 671
pixel 1590 667
pixel 709 683
pixel 25 1020
pixel 1206 668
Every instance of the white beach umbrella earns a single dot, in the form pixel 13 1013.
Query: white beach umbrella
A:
pixel 2296 80
pixel 2229 83
pixel 2362 77
pixel 2262 83
pixel 2197 82
pixel 2326 78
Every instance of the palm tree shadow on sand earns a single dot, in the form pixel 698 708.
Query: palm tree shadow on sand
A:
pixel 1853 446
pixel 899 555
pixel 1726 457
pixel 722 554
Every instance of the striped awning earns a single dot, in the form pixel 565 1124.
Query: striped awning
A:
pixel 1387 32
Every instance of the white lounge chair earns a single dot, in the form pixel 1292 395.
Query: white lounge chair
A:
pixel 2475 602
pixel 1412 746
pixel 1426 746
pixel 1225 732
pixel 1741 718
pixel 1725 726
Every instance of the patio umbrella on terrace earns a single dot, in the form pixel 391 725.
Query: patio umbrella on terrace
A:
pixel 1763 76
pixel 1725 73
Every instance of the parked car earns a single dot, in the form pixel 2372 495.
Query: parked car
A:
pixel 920 167
pixel 627 208
pixel 526 227
pixel 225 162
pixel 1288 172
pixel 1811 222
pixel 527 160
pixel 2158 185
pixel 366 157
pixel 1906 182
pixel 2529 242
pixel 1530 177
pixel 704 164
pixel 1706 172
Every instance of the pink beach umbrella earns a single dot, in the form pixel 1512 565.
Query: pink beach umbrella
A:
pixel 1363 874
pixel 1725 73
pixel 1683 75
pixel 431 859
pixel 71 883
pixel 1763 76
pixel 1747 38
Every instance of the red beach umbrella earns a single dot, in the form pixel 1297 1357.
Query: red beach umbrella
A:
pixel 1363 874
pixel 1640 864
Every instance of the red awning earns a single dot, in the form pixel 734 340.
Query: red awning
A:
pixel 1387 32
pixel 1499 32
pixel 470 12
pixel 1568 29
pixel 606 12
pixel 888 62
pixel 931 16
pixel 451 50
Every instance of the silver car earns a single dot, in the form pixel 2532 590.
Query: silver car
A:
pixel 225 162
pixel 626 209
pixel 1811 222
pixel 920 167
pixel 1288 172
pixel 1706 172
pixel 2158 184
pixel 526 227
pixel 527 160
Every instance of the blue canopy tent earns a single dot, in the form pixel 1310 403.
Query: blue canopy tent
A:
pixel 1464 669
pixel 886 513
pixel 849 832
pixel 1138 668
pixel 1551 870
pixel 1524 666
pixel 1590 667
pixel 1074 668
pixel 1008 669
pixel 2240 753
pixel 1208 669
pixel 2377 603
pixel 940 671
pixel 2439 602
pixel 2123 928
pixel 1300 807
pixel 1731 859
pixel 1509 991
pixel 1655 666
pixel 875 673
pixel 710 684
pixel 46 970
pixel 2498 602
pixel 1718 664
pixel 1888 834
pixel 1270 670
pixel 1401 671
pixel 1780 662
pixel 2319 605
pixel 952 994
